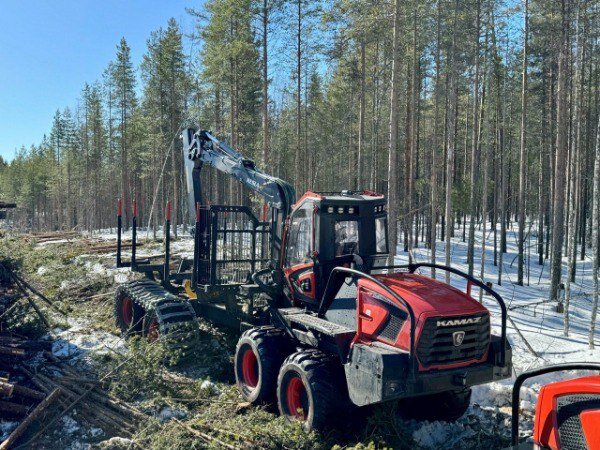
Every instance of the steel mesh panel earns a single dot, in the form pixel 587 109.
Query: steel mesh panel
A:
pixel 238 244
pixel 392 327
pixel 569 407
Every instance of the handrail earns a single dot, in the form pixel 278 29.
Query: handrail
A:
pixel 534 373
pixel 336 271
pixel 413 267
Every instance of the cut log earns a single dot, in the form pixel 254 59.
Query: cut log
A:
pixel 13 408
pixel 17 432
pixel 12 351
pixel 8 390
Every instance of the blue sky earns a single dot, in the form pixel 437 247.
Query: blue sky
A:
pixel 49 49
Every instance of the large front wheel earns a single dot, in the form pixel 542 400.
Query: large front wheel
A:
pixel 258 357
pixel 311 390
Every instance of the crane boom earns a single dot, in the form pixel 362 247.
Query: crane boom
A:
pixel 200 147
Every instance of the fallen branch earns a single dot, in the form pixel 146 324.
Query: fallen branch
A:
pixel 206 437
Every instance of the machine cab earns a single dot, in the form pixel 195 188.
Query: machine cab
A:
pixel 328 230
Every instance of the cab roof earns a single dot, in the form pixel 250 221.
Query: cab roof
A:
pixel 343 197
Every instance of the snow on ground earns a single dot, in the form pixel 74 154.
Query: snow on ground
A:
pixel 81 338
pixel 540 325
pixel 490 404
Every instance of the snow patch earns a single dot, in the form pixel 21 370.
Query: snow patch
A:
pixel 115 443
pixel 441 434
pixel 210 387
pixel 70 425
pixel 169 413
pixel 62 348
pixel 6 428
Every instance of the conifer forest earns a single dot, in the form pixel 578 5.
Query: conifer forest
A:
pixel 479 120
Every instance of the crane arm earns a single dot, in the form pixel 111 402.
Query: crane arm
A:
pixel 201 147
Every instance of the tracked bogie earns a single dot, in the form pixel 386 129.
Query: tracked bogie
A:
pixel 175 316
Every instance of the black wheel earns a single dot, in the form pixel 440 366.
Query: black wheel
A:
pixel 128 314
pixel 258 356
pixel 447 406
pixel 311 389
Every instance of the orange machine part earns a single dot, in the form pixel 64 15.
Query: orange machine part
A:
pixel 545 431
pixel 590 422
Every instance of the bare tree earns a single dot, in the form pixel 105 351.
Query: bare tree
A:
pixel 562 125
pixel 450 130
pixel 475 149
pixel 434 148
pixel 393 148
pixel 523 150
pixel 595 249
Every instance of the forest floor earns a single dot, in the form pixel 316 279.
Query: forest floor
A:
pixel 197 405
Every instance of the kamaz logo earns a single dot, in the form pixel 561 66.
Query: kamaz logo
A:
pixel 455 322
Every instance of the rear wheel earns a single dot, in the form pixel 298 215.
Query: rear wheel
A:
pixel 129 315
pixel 447 406
pixel 258 357
pixel 311 390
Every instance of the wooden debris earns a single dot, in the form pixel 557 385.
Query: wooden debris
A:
pixel 14 409
pixel 205 437
pixel 37 412
pixel 9 351
pixel 9 389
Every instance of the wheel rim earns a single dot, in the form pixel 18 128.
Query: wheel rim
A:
pixel 153 330
pixel 250 368
pixel 297 398
pixel 127 310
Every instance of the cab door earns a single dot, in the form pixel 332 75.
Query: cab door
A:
pixel 298 263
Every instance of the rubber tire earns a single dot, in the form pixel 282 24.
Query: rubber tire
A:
pixel 325 385
pixel 136 325
pixel 270 346
pixel 446 406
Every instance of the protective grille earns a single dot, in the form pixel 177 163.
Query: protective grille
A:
pixel 569 407
pixel 437 342
pixel 392 327
pixel 235 245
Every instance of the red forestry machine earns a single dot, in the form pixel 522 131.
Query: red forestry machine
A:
pixel 567 414
pixel 327 324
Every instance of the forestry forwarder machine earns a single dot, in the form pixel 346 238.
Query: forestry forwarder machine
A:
pixel 327 324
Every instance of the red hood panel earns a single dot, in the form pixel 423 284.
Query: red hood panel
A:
pixel 427 295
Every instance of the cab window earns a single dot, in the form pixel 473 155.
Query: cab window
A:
pixel 381 239
pixel 299 238
pixel 346 237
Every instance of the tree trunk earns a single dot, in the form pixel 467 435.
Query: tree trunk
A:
pixel 595 220
pixel 451 136
pixel 393 141
pixel 475 150
pixel 523 152
pixel 265 85
pixel 434 148
pixel 561 156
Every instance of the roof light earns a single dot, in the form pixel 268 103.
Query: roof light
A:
pixel 351 210
pixel 341 210
pixel 330 210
